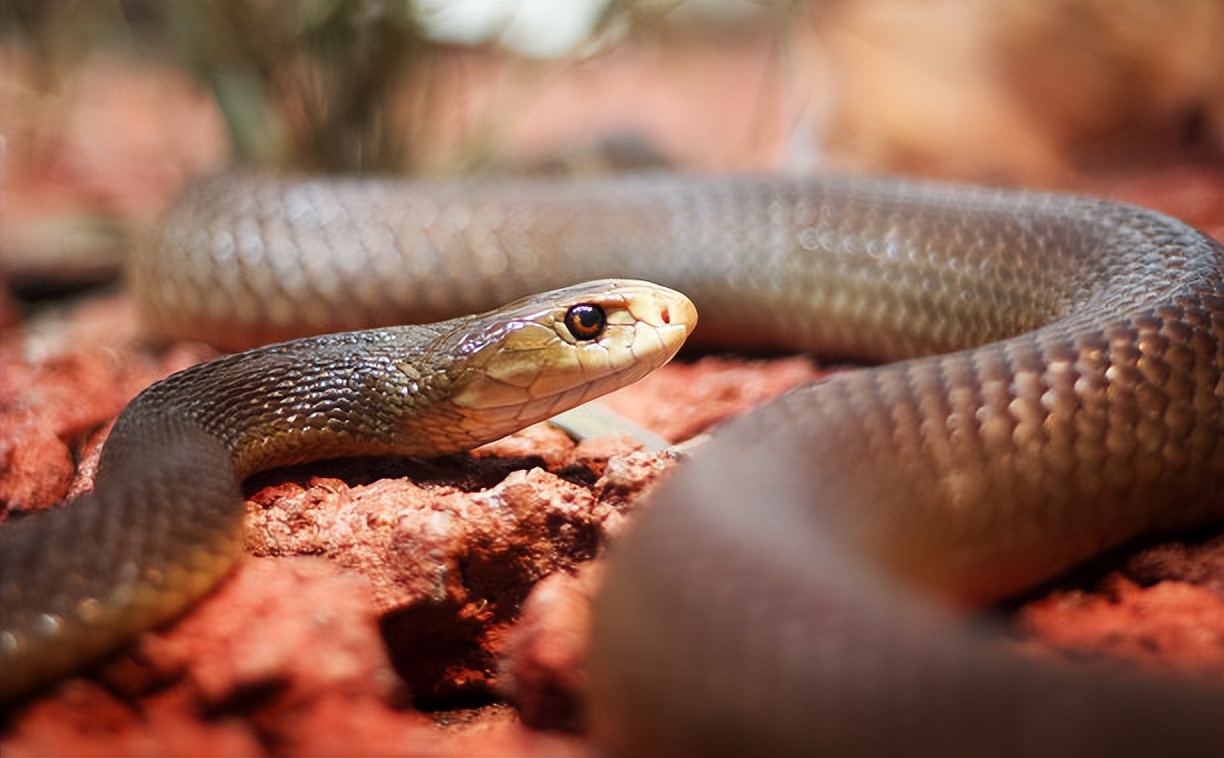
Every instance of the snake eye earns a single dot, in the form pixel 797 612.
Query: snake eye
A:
pixel 585 321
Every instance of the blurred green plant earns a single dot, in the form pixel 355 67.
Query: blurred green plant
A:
pixel 308 83
pixel 302 83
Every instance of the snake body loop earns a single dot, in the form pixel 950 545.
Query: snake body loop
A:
pixel 1055 388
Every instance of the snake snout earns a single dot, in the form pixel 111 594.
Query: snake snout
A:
pixel 669 312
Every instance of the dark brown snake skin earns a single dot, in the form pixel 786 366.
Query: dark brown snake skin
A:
pixel 1059 391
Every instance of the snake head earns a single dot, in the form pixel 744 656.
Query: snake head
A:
pixel 547 353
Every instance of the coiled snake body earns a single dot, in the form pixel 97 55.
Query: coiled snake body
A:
pixel 1059 390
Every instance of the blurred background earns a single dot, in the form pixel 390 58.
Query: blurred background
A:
pixel 108 106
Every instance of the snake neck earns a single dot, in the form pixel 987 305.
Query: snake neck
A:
pixel 308 400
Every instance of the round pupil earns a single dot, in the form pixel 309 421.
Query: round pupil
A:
pixel 585 322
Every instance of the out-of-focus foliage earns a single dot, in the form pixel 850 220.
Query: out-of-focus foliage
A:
pixel 301 82
pixel 306 83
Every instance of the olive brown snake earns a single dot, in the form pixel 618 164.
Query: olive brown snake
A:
pixel 1059 391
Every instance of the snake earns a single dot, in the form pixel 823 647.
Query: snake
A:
pixel 1045 384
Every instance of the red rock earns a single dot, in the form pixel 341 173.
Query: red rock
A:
pixel 83 719
pixel 545 655
pixel 690 398
pixel 1174 624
